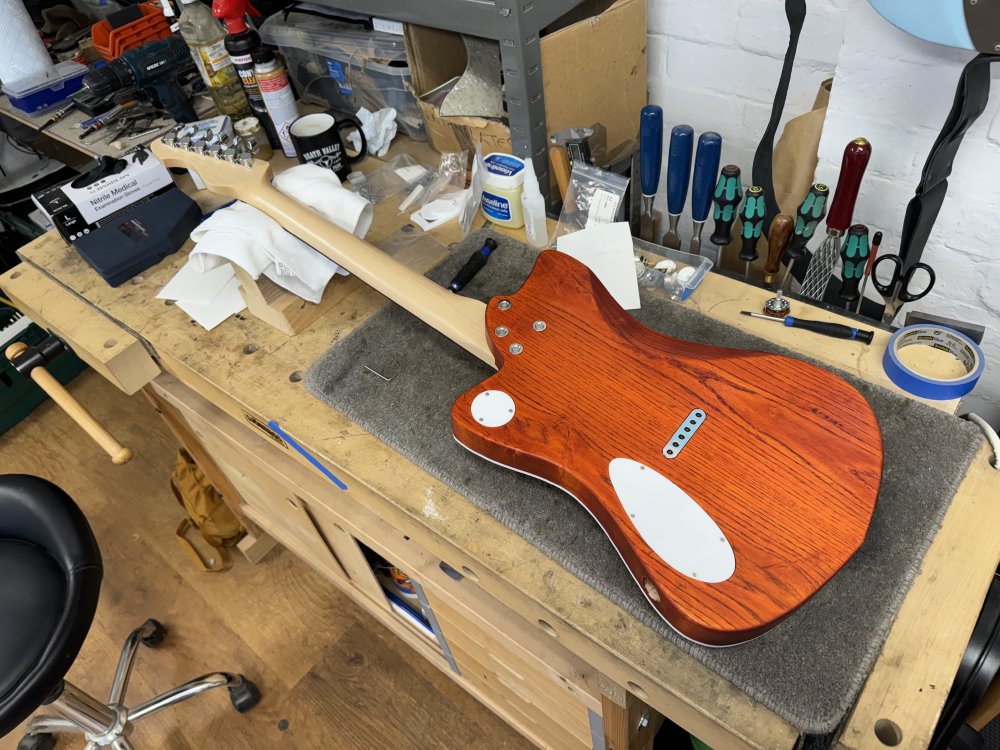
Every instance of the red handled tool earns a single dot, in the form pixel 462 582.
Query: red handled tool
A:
pixel 852 170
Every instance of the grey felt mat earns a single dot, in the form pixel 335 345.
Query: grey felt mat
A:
pixel 808 669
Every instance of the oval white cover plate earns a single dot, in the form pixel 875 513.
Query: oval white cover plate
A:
pixel 674 526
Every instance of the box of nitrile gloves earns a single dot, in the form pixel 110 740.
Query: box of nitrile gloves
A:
pixel 87 202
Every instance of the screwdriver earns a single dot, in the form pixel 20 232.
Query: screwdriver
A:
pixel 852 170
pixel 752 216
pixel 810 213
pixel 475 262
pixel 706 166
pixel 728 194
pixel 58 116
pixel 836 330
pixel 777 241
pixel 876 243
pixel 678 175
pixel 854 259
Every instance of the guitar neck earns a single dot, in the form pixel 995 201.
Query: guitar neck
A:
pixel 461 319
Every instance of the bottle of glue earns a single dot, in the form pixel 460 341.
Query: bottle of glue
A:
pixel 533 208
pixel 241 42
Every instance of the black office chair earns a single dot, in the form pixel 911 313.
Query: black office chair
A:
pixel 50 580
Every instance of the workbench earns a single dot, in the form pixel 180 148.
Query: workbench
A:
pixel 549 654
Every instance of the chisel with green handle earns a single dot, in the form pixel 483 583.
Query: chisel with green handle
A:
pixel 752 215
pixel 810 213
pixel 854 254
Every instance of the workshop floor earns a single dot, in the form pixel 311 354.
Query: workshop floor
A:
pixel 331 676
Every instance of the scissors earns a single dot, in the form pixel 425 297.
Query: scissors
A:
pixel 899 289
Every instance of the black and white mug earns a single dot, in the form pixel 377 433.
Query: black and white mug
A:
pixel 317 139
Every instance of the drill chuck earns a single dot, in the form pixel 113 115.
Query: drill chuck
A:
pixel 105 81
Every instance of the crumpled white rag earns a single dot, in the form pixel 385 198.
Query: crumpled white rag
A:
pixel 380 128
pixel 256 243
pixel 320 189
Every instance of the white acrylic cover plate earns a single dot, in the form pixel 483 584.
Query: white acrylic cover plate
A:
pixel 674 526
pixel 493 408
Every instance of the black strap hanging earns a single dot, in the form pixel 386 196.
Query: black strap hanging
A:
pixel 971 96
pixel 763 160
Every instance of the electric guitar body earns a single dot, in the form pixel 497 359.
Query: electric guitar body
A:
pixel 734 484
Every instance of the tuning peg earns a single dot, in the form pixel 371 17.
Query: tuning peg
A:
pixel 170 137
pixel 217 146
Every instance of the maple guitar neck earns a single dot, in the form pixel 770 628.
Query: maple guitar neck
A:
pixel 461 319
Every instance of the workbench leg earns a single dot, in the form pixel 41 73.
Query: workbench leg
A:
pixel 629 723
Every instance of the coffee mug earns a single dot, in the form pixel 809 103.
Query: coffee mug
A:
pixel 317 141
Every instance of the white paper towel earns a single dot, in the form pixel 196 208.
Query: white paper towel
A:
pixel 22 54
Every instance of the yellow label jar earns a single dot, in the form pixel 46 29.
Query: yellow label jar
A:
pixel 502 192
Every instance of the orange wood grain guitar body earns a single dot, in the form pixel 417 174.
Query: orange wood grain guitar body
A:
pixel 786 462
pixel 733 484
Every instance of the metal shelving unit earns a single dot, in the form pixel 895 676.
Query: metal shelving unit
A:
pixel 515 24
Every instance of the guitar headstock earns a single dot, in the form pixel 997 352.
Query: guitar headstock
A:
pixel 225 167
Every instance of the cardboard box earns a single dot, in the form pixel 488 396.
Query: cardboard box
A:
pixel 593 70
pixel 81 205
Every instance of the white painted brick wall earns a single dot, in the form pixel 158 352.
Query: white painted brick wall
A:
pixel 715 65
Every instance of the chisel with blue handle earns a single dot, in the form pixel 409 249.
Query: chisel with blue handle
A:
pixel 706 167
pixel 650 158
pixel 678 176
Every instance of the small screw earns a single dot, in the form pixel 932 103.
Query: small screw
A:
pixel 515 348
pixel 501 331
pixel 539 325
pixel 643 720
pixel 504 304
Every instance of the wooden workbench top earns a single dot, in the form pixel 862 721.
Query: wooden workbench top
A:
pixel 249 368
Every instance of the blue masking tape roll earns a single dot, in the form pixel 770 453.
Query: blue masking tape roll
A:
pixel 960 346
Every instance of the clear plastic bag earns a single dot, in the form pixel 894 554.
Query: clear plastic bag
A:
pixel 398 174
pixel 594 197
pixel 449 178
pixel 475 192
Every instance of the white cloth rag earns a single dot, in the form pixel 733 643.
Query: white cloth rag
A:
pixel 380 128
pixel 256 243
pixel 320 189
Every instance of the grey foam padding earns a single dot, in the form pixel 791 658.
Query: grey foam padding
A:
pixel 809 668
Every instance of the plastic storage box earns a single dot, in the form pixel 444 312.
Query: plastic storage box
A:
pixel 341 64
pixel 35 95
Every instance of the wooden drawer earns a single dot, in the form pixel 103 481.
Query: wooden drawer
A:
pixel 100 342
